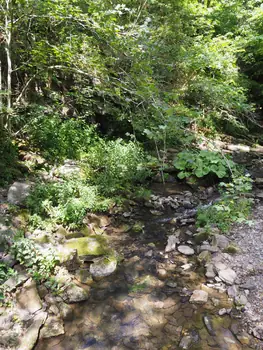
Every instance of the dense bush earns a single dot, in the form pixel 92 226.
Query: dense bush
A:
pixel 8 158
pixel 59 139
pixel 116 165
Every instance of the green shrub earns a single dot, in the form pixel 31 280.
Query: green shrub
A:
pixel 116 165
pixel 233 207
pixel 202 163
pixel 8 158
pixel 64 202
pixel 38 263
pixel 59 139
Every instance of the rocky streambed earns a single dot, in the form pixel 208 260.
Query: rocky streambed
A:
pixel 161 285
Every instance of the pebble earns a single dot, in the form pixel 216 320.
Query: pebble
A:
pixel 186 250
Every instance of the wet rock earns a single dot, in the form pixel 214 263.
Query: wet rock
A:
pixel 228 276
pixel 186 250
pixel 222 312
pixel 18 192
pixel 162 273
pixel 171 284
pixel 30 337
pixel 28 298
pixel 84 276
pixel 185 342
pixel 227 340
pixel 52 327
pixel 103 267
pixel 173 240
pixel 149 254
pixel 199 297
pixel 209 325
pixel 68 257
pixel 65 311
pixel 88 246
pixel 75 294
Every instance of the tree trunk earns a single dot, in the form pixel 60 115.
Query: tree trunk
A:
pixel 8 40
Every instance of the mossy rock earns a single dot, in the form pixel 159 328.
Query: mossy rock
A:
pixel 89 246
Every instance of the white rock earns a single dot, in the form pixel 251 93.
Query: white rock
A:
pixel 228 276
pixel 171 243
pixel 186 250
pixel 18 192
pixel 199 297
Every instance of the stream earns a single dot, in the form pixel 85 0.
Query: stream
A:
pixel 146 304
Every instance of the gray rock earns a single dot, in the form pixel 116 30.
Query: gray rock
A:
pixel 241 300
pixel 15 281
pixel 185 342
pixel 69 168
pixel 75 294
pixel 18 192
pixel 222 312
pixel 103 267
pixel 219 266
pixel 228 276
pixel 28 298
pixel 232 291
pixel 210 273
pixel 199 297
pixel 29 340
pixel 209 248
pixel 222 241
pixel 258 332
pixel 52 328
pixel 209 325
pixel 186 250
pixel 171 243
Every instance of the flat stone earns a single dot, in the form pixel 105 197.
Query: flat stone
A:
pixel 186 250
pixel 199 297
pixel 219 266
pixel 88 246
pixel 30 337
pixel 52 328
pixel 228 276
pixel 15 281
pixel 222 241
pixel 232 291
pixel 210 273
pixel 28 298
pixel 209 248
pixel 18 192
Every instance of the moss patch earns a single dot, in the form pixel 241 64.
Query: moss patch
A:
pixel 93 245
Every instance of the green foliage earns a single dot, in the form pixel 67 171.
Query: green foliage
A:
pixel 59 139
pixel 233 206
pixel 64 202
pixel 40 264
pixel 5 272
pixel 8 158
pixel 202 163
pixel 115 166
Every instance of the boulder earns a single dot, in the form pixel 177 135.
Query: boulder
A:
pixel 29 339
pixel 18 192
pixel 103 267
pixel 52 328
pixel 28 298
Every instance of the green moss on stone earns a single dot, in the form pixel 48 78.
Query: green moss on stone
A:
pixel 92 245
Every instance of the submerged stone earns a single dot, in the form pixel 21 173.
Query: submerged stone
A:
pixel 88 246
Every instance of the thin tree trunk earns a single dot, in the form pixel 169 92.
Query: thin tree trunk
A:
pixel 1 99
pixel 8 40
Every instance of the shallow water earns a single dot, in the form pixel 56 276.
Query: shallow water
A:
pixel 145 304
